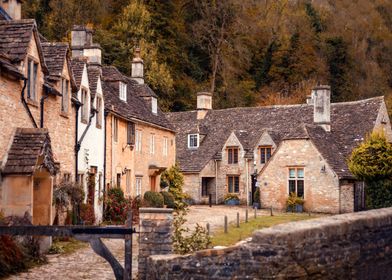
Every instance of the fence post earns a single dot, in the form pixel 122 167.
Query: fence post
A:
pixel 246 215
pixel 155 236
pixel 225 224
pixel 271 212
pixel 255 213
pixel 238 219
pixel 208 229
pixel 128 250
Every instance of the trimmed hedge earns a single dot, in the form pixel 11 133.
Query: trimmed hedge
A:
pixel 168 199
pixel 153 199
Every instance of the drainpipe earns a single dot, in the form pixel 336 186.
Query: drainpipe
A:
pixel 104 162
pixel 77 105
pixel 216 182
pixel 247 182
pixel 25 103
pixel 42 108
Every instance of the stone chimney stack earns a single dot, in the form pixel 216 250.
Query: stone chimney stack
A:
pixel 138 67
pixel 13 8
pixel 321 100
pixel 204 104
pixel 82 45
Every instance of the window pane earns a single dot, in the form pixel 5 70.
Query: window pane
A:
pixel 300 188
pixel 236 184
pixel 34 81
pixel 292 172
pixel 291 186
pixel 230 155
pixel 29 78
pixel 262 155
pixel 268 153
pixel 235 155
pixel 230 184
pixel 300 173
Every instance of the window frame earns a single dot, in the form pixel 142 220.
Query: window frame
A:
pixel 85 105
pixel 118 180
pixel 138 140
pixel 264 154
pixel 65 86
pixel 232 154
pixel 128 181
pixel 154 105
pixel 99 103
pixel 123 91
pixel 32 77
pixel 138 185
pixel 131 130
pixel 296 179
pixel 115 129
pixel 232 179
pixel 165 146
pixel 152 144
pixel 197 140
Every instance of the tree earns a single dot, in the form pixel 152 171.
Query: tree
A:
pixel 174 180
pixel 372 162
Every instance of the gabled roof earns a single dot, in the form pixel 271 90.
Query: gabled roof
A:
pixel 135 107
pixel 350 122
pixel 93 73
pixel 30 151
pixel 7 66
pixel 55 55
pixel 77 69
pixel 15 36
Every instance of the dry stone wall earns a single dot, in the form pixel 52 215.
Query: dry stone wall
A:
pixel 348 246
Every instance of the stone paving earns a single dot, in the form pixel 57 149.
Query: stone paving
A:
pixel 85 264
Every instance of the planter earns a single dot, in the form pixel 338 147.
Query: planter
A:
pixel 232 202
pixel 256 205
pixel 290 208
pixel 299 208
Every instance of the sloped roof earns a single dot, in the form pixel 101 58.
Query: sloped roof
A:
pixel 28 147
pixel 135 107
pixel 55 55
pixel 77 70
pixel 6 65
pixel 350 121
pixel 93 73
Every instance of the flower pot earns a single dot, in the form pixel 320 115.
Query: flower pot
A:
pixel 299 208
pixel 232 202
pixel 290 209
pixel 256 205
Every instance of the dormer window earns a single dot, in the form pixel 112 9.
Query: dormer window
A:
pixel 123 91
pixel 154 105
pixel 193 141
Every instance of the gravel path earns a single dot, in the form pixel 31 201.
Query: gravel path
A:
pixel 85 264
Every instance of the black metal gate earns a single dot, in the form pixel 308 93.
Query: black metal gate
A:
pixel 359 196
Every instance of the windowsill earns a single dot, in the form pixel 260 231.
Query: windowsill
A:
pixel 98 126
pixel 233 163
pixel 193 148
pixel 32 102
pixel 64 114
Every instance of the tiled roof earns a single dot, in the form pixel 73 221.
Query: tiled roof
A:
pixel 77 69
pixel 6 65
pixel 135 107
pixel 30 150
pixel 93 74
pixel 55 55
pixel 350 121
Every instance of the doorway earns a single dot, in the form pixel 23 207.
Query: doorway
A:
pixel 254 187
pixel 153 183
pixel 91 185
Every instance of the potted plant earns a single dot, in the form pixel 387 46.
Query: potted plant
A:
pixel 232 199
pixel 256 197
pixel 294 203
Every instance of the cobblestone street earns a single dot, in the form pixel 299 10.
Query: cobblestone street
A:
pixel 85 264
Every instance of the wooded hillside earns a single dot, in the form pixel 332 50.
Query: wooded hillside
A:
pixel 247 52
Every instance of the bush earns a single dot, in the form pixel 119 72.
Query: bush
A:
pixel 188 199
pixel 256 195
pixel 168 199
pixel 174 179
pixel 153 199
pixel 231 196
pixel 185 241
pixel 87 214
pixel 117 207
pixel 379 194
pixel 294 200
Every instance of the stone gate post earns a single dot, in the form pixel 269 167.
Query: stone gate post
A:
pixel 155 235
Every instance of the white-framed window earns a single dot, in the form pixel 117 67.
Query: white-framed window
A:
pixel 138 141
pixel 123 91
pixel 64 95
pixel 193 141
pixel 138 185
pixel 296 181
pixel 152 144
pixel 99 112
pixel 85 107
pixel 165 146
pixel 154 105
pixel 32 74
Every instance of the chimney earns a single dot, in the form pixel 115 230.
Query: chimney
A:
pixel 13 8
pixel 138 67
pixel 204 104
pixel 82 45
pixel 321 100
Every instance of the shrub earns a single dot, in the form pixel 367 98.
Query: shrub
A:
pixel 168 199
pixel 153 199
pixel 294 200
pixel 117 207
pixel 185 241
pixel 256 195
pixel 231 196
pixel 379 194
pixel 87 214
pixel 188 199
pixel 174 179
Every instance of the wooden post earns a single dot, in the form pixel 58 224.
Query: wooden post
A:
pixel 238 219
pixel 225 224
pixel 255 213
pixel 210 200
pixel 128 250
pixel 271 212
pixel 208 229
pixel 246 215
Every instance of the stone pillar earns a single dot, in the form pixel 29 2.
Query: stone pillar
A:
pixel 155 235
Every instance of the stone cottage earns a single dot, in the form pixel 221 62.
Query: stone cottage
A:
pixel 140 142
pixel 87 70
pixel 281 149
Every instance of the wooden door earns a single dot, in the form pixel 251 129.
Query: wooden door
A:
pixel 153 181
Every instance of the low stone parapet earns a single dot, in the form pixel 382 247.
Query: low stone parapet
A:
pixel 349 246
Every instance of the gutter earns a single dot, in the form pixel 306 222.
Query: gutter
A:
pixel 77 105
pixel 42 108
pixel 25 103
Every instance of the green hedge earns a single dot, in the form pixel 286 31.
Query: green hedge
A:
pixel 153 199
pixel 168 199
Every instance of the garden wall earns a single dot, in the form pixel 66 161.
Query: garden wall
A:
pixel 348 246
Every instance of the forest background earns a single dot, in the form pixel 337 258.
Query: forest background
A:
pixel 247 52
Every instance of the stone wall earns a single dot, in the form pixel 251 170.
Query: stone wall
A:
pixel 155 236
pixel 348 246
